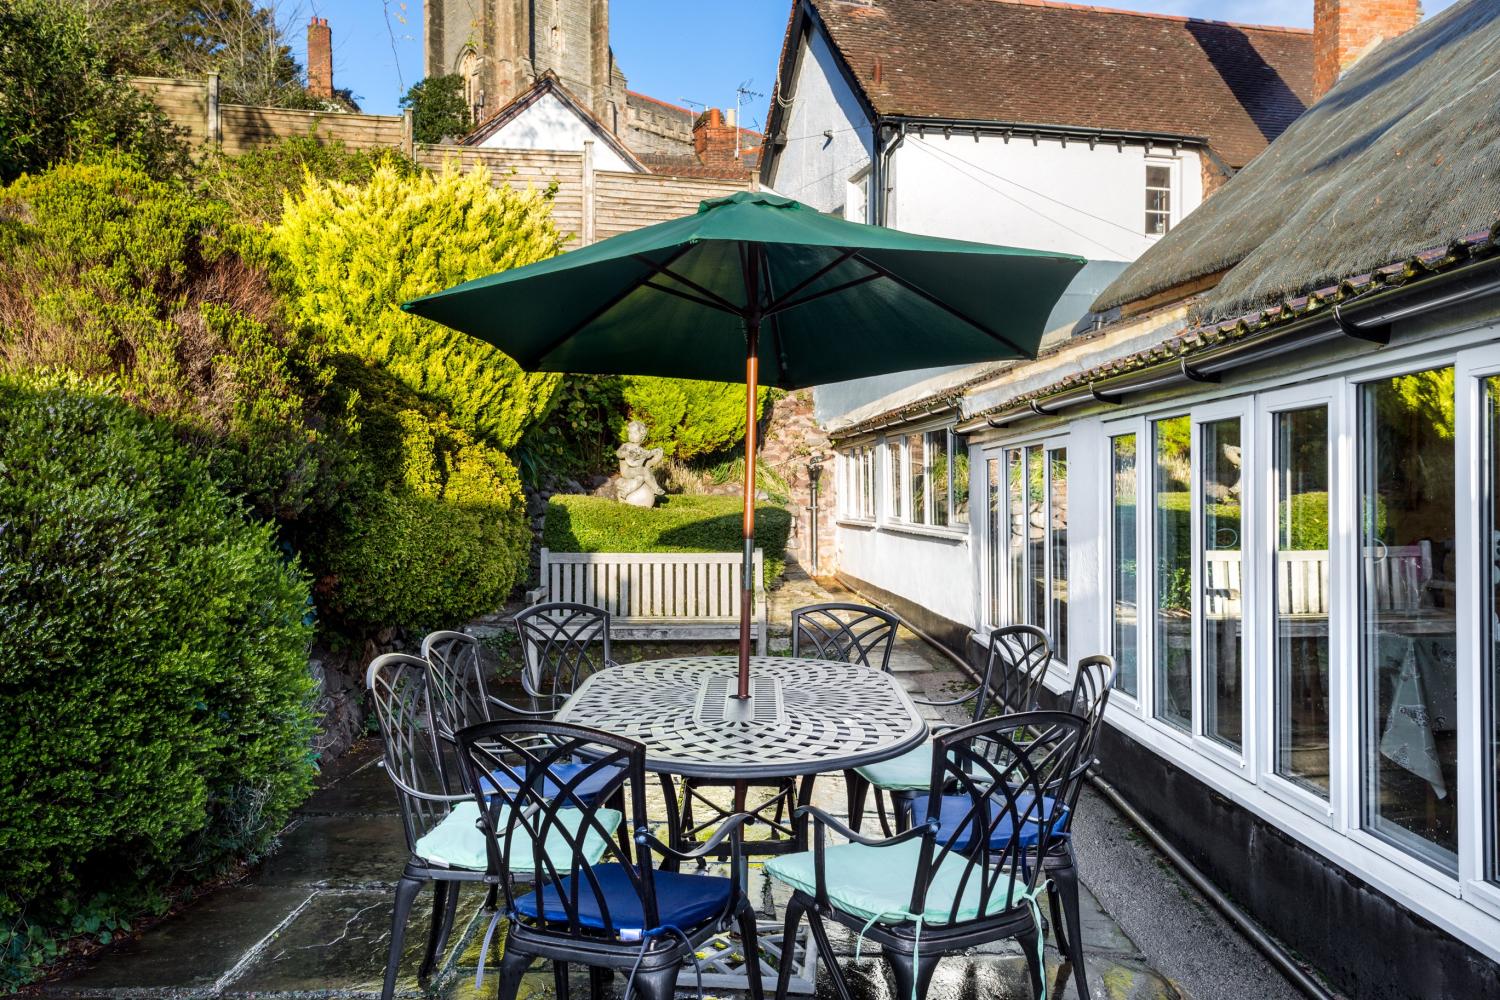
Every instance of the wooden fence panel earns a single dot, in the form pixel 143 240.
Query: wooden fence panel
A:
pixel 629 201
pixel 185 102
pixel 247 127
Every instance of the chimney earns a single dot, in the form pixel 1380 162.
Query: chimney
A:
pixel 319 58
pixel 1345 30
pixel 714 138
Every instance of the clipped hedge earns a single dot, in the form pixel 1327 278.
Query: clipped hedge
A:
pixel 677 524
pixel 157 703
pixel 349 256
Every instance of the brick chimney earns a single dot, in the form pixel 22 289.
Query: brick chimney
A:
pixel 319 58
pixel 1345 30
pixel 713 139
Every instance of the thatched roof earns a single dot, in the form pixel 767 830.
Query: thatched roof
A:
pixel 1402 155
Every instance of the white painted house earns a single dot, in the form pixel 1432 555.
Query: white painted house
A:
pixel 1263 475
pixel 546 116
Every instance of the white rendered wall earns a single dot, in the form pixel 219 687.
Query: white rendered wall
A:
pixel 1042 196
pixel 933 571
pixel 551 124
pixel 812 168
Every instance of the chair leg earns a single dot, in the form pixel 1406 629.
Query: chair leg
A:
pixel 912 982
pixel 599 978
pixel 857 787
pixel 659 984
pixel 750 945
pixel 820 936
pixel 406 894
pixel 1065 879
pixel 788 947
pixel 435 930
pixel 513 966
pixel 560 980
pixel 1029 940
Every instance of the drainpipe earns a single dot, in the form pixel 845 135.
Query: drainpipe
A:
pixel 814 471
pixel 880 170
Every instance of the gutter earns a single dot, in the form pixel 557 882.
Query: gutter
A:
pixel 891 420
pixel 1035 130
pixel 1367 317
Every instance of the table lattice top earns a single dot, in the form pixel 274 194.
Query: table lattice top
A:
pixel 807 716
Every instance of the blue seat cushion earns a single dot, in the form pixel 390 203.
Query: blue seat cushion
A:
pixel 956 809
pixel 559 775
pixel 682 901
pixel 875 883
pixel 457 841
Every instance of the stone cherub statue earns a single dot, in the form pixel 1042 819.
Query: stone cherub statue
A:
pixel 638 465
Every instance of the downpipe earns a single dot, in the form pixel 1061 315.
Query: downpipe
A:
pixel 1242 921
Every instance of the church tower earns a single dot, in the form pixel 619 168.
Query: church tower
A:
pixel 500 47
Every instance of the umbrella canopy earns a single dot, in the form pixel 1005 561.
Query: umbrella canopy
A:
pixel 761 288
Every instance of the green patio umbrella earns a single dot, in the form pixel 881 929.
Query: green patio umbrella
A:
pixel 761 288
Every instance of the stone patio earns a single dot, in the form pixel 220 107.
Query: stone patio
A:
pixel 314 918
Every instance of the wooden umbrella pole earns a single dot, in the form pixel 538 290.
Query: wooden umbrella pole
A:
pixel 747 576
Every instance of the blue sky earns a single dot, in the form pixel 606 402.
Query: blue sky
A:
pixel 676 50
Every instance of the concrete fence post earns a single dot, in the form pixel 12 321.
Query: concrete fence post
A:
pixel 588 192
pixel 408 134
pixel 213 123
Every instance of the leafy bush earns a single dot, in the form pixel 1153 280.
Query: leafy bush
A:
pixel 352 254
pixel 111 274
pixel 155 701
pixel 59 98
pixel 440 112
pixel 257 183
pixel 579 433
pixel 434 528
pixel 678 524
pixel 688 418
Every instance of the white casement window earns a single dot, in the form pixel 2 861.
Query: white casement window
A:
pixel 929 479
pixel 1124 577
pixel 1161 196
pixel 1026 552
pixel 857 483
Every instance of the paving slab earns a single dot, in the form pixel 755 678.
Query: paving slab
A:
pixel 363 790
pixel 341 850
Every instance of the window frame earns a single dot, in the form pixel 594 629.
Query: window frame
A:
pixel 901 520
pixel 1173 166
pixel 1140 427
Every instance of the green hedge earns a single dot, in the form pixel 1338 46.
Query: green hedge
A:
pixel 677 524
pixel 155 702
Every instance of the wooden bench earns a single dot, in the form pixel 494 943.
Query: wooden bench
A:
pixel 657 595
pixel 1401 575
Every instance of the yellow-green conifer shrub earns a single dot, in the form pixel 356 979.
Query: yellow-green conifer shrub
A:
pixel 351 254
pixel 688 418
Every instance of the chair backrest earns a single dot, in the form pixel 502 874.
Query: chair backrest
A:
pixel 1017 662
pixel 1092 684
pixel 562 645
pixel 529 812
pixel 455 678
pixel 413 760
pixel 850 633
pixel 1005 774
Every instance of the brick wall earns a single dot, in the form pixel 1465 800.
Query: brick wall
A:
pixel 1344 30
pixel 319 58
pixel 791 438
pixel 714 139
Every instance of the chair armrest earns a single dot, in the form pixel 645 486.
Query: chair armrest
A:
pixel 825 820
pixel 730 828
pixel 527 712
pixel 418 793
pixel 944 702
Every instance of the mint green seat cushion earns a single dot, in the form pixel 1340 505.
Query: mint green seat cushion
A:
pixel 457 842
pixel 909 772
pixel 875 883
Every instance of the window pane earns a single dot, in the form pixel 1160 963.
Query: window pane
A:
pixel 1057 497
pixel 867 482
pixel 1016 512
pixel 1174 571
pixel 1490 570
pixel 960 482
pixel 937 475
pixel 1221 576
pixel 916 467
pixel 995 535
pixel 894 474
pixel 1036 538
pixel 1122 506
pixel 1408 647
pixel 1158 177
pixel 1301 595
pixel 1156 224
pixel 1158 201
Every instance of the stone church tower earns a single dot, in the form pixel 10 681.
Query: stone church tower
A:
pixel 500 47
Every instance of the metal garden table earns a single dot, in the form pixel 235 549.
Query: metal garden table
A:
pixel 804 717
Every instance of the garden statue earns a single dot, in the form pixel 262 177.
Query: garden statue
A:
pixel 638 464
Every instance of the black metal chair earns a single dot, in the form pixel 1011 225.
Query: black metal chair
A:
pixel 441 849
pixel 849 633
pixel 1013 671
pixel 562 644
pixel 1094 680
pixel 969 874
pixel 609 911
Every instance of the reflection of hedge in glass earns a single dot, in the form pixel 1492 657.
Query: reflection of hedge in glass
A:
pixel 157 703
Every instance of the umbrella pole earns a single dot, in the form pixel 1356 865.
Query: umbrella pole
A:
pixel 747 576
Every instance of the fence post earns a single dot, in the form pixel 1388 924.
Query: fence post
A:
pixel 588 192
pixel 408 134
pixel 213 122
